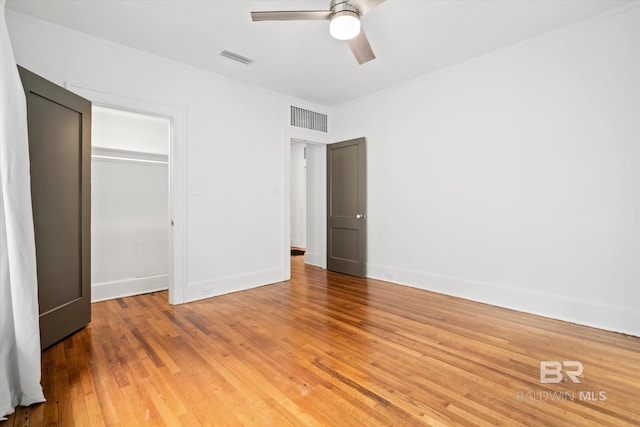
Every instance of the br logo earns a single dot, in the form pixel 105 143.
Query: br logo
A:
pixel 551 371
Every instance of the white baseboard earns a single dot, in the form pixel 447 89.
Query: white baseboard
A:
pixel 298 243
pixel 314 259
pixel 225 285
pixel 127 287
pixel 588 313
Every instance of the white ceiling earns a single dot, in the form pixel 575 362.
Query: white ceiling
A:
pixel 410 38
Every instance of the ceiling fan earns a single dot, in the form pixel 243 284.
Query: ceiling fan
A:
pixel 344 23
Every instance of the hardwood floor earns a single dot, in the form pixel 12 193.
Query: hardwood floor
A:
pixel 331 350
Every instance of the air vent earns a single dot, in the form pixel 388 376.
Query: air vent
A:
pixel 308 119
pixel 236 57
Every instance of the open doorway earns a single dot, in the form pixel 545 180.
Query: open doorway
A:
pixel 130 203
pixel 310 152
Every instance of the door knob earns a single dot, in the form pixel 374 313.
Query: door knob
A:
pixel 360 216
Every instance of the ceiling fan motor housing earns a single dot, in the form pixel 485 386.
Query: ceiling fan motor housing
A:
pixel 343 6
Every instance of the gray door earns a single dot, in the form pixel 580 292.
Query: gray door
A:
pixel 346 207
pixel 60 150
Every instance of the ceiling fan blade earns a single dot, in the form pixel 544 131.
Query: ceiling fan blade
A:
pixel 293 15
pixel 361 48
pixel 365 6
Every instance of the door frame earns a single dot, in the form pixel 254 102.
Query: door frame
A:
pixel 309 138
pixel 177 115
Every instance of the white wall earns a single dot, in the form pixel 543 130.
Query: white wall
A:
pixel 129 228
pixel 514 179
pixel 235 205
pixel 316 205
pixel 298 196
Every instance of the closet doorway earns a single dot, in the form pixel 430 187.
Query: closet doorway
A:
pixel 130 203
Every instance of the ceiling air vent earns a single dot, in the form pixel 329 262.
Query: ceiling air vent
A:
pixel 236 57
pixel 308 119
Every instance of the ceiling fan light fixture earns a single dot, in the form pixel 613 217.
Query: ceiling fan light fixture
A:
pixel 344 25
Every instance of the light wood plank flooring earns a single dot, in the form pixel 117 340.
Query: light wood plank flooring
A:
pixel 331 350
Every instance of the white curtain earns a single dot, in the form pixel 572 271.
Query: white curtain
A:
pixel 19 328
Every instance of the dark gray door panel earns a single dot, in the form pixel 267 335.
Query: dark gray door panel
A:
pixel 346 207
pixel 60 150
